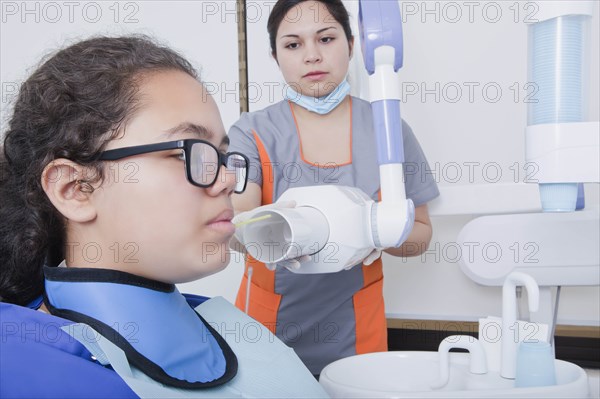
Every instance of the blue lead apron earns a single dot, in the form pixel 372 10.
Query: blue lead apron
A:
pixel 227 355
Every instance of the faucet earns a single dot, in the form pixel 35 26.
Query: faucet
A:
pixel 478 363
pixel 509 318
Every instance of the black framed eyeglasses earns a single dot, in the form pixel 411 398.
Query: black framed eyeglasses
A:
pixel 202 160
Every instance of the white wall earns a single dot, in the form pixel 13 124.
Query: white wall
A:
pixel 450 45
pixel 199 30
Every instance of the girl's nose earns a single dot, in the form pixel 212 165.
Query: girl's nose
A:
pixel 226 182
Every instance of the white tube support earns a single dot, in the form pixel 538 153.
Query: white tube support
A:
pixel 510 341
pixel 392 182
pixel 395 215
pixel 477 364
pixel 384 83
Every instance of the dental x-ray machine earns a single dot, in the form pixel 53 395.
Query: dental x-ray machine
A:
pixel 339 226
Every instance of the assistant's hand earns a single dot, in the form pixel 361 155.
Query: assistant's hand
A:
pixel 372 257
pixel 290 264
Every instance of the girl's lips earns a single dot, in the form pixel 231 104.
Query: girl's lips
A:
pixel 223 227
pixel 225 215
pixel 222 223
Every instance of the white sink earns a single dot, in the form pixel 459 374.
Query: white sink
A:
pixel 409 374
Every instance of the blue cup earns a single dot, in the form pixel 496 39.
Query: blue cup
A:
pixel 535 365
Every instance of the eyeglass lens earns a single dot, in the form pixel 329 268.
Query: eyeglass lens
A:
pixel 204 166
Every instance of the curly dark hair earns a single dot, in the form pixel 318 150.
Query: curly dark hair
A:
pixel 69 108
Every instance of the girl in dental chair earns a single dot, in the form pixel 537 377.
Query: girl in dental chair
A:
pixel 328 137
pixel 116 184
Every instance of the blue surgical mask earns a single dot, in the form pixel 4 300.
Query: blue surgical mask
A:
pixel 321 105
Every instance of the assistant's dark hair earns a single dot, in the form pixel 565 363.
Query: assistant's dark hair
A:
pixel 69 108
pixel 335 7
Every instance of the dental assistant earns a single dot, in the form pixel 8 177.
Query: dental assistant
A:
pixel 326 136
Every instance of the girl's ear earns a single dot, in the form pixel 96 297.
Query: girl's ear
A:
pixel 351 46
pixel 67 186
pixel 274 55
